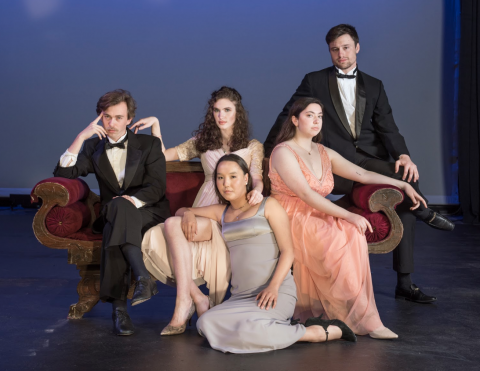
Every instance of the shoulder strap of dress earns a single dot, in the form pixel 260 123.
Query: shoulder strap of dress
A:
pixel 261 209
pixel 283 145
pixel 224 212
pixel 324 156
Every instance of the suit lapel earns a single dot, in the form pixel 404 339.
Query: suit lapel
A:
pixel 103 164
pixel 337 101
pixel 361 101
pixel 134 155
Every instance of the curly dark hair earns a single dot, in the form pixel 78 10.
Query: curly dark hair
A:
pixel 243 165
pixel 288 129
pixel 208 135
pixel 112 98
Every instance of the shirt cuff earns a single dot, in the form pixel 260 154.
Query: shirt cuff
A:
pixel 68 159
pixel 138 203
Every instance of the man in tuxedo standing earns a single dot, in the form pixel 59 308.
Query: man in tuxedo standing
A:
pixel 131 173
pixel 358 123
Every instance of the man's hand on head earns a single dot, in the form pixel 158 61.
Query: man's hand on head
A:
pixel 92 129
pixel 410 170
pixel 86 133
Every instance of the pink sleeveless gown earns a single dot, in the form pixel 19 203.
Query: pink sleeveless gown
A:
pixel 331 267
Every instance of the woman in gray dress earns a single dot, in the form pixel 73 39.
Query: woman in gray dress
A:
pixel 257 316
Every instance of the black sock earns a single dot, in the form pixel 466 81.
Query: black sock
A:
pixel 119 304
pixel 134 256
pixel 425 214
pixel 404 281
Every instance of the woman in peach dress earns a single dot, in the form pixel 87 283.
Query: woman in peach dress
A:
pixel 331 266
pixel 226 129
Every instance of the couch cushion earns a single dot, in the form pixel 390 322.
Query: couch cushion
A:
pixel 63 221
pixel 379 222
pixel 182 188
pixel 360 195
pixel 77 188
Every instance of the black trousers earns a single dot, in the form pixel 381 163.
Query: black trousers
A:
pixel 124 223
pixel 403 254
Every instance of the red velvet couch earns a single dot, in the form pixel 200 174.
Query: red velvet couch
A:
pixel 69 208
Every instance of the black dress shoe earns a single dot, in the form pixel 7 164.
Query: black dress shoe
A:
pixel 122 324
pixel 439 221
pixel 145 288
pixel 413 294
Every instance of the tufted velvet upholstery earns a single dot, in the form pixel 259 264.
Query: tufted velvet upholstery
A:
pixel 182 188
pixel 380 224
pixel 361 194
pixel 77 188
pixel 63 221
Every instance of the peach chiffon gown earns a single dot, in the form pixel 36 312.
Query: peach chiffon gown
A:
pixel 331 266
pixel 211 259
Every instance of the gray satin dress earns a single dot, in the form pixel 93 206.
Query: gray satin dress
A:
pixel 238 325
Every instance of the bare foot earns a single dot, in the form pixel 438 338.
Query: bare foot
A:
pixel 316 334
pixel 383 333
pixel 202 306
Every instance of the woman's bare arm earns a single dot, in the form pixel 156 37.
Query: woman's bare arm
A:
pixel 348 170
pixel 278 219
pixel 171 153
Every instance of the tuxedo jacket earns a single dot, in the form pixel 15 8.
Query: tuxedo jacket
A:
pixel 376 131
pixel 145 171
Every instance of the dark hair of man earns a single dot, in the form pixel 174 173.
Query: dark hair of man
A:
pixel 243 165
pixel 208 135
pixel 112 98
pixel 288 129
pixel 340 30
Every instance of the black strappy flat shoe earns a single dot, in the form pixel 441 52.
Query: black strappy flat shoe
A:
pixel 347 333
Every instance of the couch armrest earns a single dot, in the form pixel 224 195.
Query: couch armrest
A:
pixel 62 192
pixel 381 197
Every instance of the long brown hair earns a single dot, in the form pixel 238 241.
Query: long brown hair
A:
pixel 208 135
pixel 288 129
pixel 243 165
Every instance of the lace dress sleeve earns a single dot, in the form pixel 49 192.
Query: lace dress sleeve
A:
pixel 187 150
pixel 256 149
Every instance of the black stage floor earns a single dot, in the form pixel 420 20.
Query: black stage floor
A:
pixel 37 287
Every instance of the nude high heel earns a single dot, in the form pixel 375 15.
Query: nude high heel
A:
pixel 383 334
pixel 176 330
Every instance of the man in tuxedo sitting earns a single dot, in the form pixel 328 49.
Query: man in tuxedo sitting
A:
pixel 358 123
pixel 131 173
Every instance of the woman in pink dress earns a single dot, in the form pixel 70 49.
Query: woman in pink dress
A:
pixel 226 129
pixel 331 266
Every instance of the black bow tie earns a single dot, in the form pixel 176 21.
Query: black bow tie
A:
pixel 342 76
pixel 121 144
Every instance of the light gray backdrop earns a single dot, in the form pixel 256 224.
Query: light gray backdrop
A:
pixel 57 57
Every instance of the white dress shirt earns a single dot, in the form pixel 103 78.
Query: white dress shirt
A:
pixel 347 88
pixel 116 156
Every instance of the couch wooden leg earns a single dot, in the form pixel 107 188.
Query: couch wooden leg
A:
pixel 88 291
